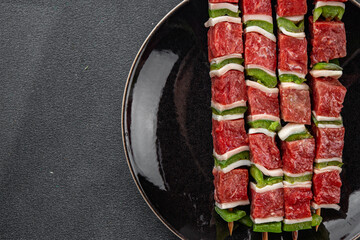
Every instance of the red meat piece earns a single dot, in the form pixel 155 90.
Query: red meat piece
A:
pixel 224 38
pixel 260 50
pixel 292 54
pixel 262 103
pixel 329 142
pixel 328 96
pixel 289 8
pixel 297 202
pixel 328 40
pixel 295 105
pixel 264 151
pixel 228 135
pixel 256 7
pixel 229 88
pixel 223 1
pixel 267 204
pixel 326 187
pixel 231 186
pixel 298 156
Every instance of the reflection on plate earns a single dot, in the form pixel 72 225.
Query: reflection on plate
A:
pixel 167 130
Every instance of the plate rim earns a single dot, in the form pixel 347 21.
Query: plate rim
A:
pixel 124 99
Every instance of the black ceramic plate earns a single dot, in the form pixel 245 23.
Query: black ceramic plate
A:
pixel 167 126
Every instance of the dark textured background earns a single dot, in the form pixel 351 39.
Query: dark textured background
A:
pixel 63 67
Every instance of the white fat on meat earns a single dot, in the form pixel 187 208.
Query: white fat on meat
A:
pixel 266 220
pixel 272 173
pixel 292 34
pixel 227 117
pixel 231 153
pixel 226 68
pixel 254 66
pixel 232 204
pixel 302 86
pixel 335 4
pixel 321 160
pixel 261 17
pixel 261 87
pixel 222 107
pixel 327 169
pixel 220 59
pixel 263 131
pixel 234 165
pixel 213 21
pixel 326 73
pixel 260 31
pixel 300 220
pixel 266 188
pixel 300 75
pixel 290 129
pixel 231 7
pixel 297 174
pixel 317 206
pixel 325 118
pixel 252 118
pixel 306 184
pixel 329 126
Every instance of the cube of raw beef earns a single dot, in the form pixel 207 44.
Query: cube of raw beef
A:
pixel 224 38
pixel 260 50
pixel 295 105
pixel 329 142
pixel 223 1
pixel 328 40
pixel 262 103
pixel 328 95
pixel 229 88
pixel 231 186
pixel 228 135
pixel 264 151
pixel 297 202
pixel 292 54
pixel 288 8
pixel 298 156
pixel 250 7
pixel 326 187
pixel 267 204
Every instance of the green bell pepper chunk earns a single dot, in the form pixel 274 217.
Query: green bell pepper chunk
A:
pixel 298 136
pixel 246 220
pixel 262 77
pixel 304 178
pixel 327 66
pixel 267 124
pixel 291 78
pixel 262 24
pixel 237 110
pixel 325 122
pixel 296 226
pixel 261 180
pixel 327 164
pixel 223 12
pixel 274 227
pixel 316 220
pixel 230 216
pixel 245 155
pixel 291 26
pixel 329 13
pixel 217 66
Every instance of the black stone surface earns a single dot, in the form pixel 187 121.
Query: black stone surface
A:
pixel 63 67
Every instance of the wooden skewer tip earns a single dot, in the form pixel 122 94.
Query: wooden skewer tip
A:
pixel 295 235
pixel 265 236
pixel 318 212
pixel 231 227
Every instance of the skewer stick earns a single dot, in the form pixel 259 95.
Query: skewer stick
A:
pixel 264 236
pixel 230 225
pixel 295 235
pixel 318 212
